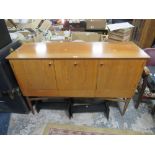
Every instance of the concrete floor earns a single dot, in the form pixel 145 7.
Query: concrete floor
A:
pixel 137 120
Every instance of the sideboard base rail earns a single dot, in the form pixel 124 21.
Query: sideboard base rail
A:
pixel 73 107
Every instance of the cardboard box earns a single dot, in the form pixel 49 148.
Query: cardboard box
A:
pixel 86 36
pixel 97 24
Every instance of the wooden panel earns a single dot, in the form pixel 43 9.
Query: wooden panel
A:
pixel 43 93
pixel 118 78
pixel 78 50
pixel 76 74
pixel 144 32
pixel 76 93
pixel 20 75
pixel 34 74
pixel 148 34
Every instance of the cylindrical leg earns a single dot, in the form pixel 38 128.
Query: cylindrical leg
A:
pixel 30 104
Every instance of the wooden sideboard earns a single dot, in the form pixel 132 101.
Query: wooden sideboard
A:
pixel 78 69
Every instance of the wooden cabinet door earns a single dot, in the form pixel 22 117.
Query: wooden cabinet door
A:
pixel 34 75
pixel 76 75
pixel 118 78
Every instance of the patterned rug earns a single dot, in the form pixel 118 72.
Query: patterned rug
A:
pixel 66 129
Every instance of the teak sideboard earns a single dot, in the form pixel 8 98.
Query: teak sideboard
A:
pixel 78 69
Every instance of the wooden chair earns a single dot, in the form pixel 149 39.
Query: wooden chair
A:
pixel 147 71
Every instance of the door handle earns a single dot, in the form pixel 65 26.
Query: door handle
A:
pixel 75 63
pixel 101 64
pixel 50 63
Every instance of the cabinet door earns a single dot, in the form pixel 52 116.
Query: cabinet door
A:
pixel 118 78
pixel 34 74
pixel 76 74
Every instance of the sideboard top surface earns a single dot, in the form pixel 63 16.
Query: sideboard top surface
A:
pixel 81 50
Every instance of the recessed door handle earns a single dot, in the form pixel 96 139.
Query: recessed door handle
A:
pixel 101 64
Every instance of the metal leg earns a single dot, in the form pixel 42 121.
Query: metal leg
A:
pixel 141 92
pixel 125 106
pixel 30 104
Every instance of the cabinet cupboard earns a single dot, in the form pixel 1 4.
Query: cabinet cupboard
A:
pixel 117 78
pixel 78 69
pixel 85 78
pixel 35 76
pixel 76 77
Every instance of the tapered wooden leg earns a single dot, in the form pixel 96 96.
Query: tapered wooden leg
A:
pixel 125 106
pixel 69 109
pixel 30 104
pixel 107 110
pixel 71 102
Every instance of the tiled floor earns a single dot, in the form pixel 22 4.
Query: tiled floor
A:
pixel 138 120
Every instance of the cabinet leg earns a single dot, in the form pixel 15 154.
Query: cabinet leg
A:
pixel 70 103
pixel 107 110
pixel 37 109
pixel 30 104
pixel 125 106
pixel 70 111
